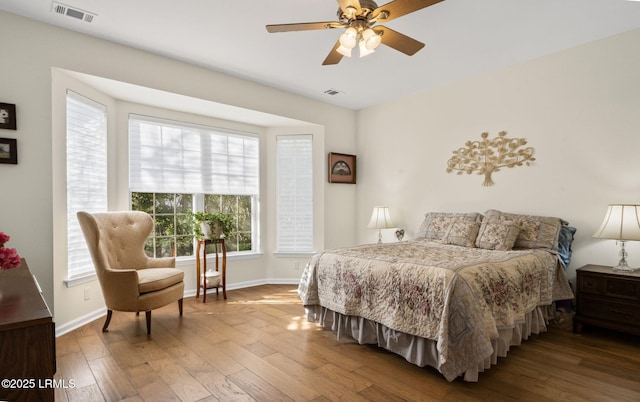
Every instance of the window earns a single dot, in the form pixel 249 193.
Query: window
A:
pixel 176 168
pixel 294 170
pixel 239 208
pixel 172 234
pixel 86 174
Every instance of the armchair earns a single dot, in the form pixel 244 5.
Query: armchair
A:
pixel 130 280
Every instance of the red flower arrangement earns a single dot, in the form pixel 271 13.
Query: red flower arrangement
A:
pixel 9 257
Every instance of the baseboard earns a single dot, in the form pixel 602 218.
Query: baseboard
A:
pixel 87 318
pixel 80 321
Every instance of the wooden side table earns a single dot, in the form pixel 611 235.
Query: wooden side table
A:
pixel 606 298
pixel 221 265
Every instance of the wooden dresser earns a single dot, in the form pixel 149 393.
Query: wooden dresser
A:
pixel 27 339
pixel 608 299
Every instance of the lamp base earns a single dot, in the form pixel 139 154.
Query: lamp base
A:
pixel 623 267
pixel 622 264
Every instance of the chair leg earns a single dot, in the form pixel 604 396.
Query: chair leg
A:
pixel 180 306
pixel 148 314
pixel 107 321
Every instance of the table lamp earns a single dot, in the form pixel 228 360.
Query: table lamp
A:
pixel 621 223
pixel 380 219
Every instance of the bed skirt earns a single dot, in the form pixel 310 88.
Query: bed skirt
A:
pixel 421 351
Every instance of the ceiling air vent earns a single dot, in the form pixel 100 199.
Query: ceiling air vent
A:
pixel 73 12
pixel 332 92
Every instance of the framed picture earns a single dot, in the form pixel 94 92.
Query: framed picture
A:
pixel 7 116
pixel 8 150
pixel 342 168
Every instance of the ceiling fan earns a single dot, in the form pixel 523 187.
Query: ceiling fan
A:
pixel 359 18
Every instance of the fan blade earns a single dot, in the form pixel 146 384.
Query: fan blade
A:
pixel 398 8
pixel 398 41
pixel 334 57
pixel 350 3
pixel 305 26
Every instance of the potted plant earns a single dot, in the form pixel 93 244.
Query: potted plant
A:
pixel 211 225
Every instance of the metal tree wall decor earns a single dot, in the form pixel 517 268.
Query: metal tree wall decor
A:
pixel 489 155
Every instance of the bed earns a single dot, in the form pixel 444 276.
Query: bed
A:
pixel 456 297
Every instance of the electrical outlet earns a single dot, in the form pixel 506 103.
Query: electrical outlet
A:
pixel 296 265
pixel 86 294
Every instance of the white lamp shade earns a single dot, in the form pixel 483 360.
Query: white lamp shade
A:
pixel 621 222
pixel 363 49
pixel 349 38
pixel 380 218
pixel 345 51
pixel 371 39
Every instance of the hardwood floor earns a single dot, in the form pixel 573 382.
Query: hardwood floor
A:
pixel 257 346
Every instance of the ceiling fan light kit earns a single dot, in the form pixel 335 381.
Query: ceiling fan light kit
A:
pixel 367 40
pixel 358 17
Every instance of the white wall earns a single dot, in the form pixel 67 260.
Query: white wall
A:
pixel 579 109
pixel 31 50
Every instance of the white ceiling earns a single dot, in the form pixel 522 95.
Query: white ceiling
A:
pixel 463 38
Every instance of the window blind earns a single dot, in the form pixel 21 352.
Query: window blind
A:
pixel 86 174
pixel 294 171
pixel 173 157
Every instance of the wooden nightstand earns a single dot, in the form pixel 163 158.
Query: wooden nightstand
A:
pixel 606 298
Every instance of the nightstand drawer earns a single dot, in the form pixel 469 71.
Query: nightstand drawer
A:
pixel 607 309
pixel 591 284
pixel 609 286
pixel 623 289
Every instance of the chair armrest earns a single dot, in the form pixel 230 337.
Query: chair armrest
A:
pixel 120 289
pixel 161 262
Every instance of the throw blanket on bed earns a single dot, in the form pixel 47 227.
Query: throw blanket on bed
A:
pixel 458 296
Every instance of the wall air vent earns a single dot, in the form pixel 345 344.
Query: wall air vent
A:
pixel 73 12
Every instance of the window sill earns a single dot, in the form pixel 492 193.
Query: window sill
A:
pixel 90 277
pixel 78 280
pixel 230 257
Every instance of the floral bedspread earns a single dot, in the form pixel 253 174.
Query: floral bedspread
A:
pixel 458 296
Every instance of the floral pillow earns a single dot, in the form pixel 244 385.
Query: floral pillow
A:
pixel 436 224
pixel 535 231
pixel 462 233
pixel 495 234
